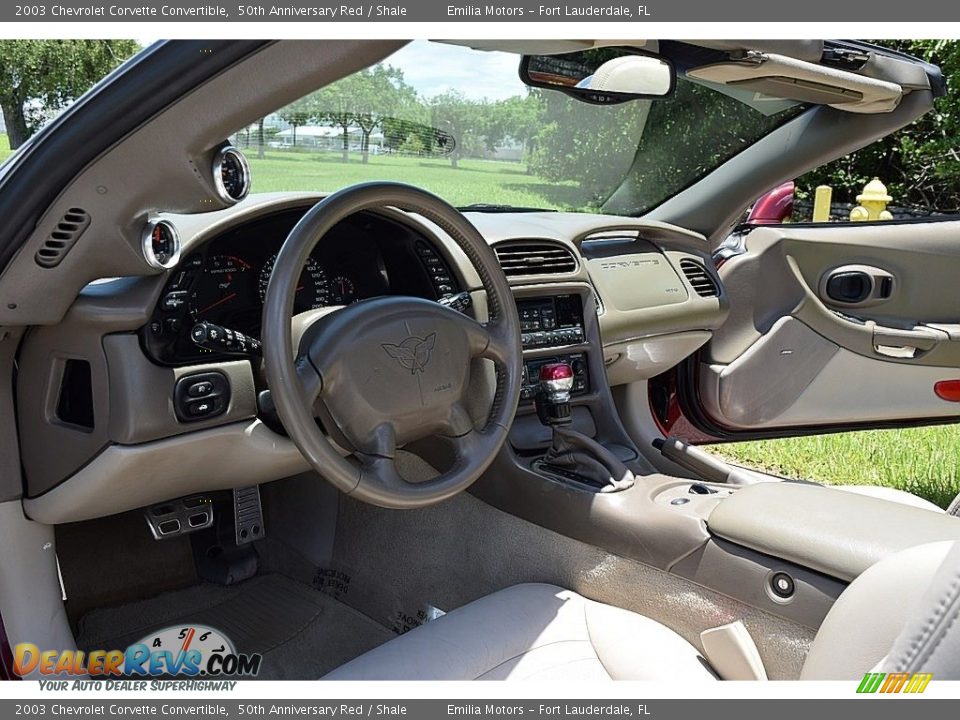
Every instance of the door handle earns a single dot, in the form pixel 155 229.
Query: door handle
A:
pixel 856 285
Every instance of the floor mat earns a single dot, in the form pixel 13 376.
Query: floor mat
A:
pixel 302 633
pixel 130 568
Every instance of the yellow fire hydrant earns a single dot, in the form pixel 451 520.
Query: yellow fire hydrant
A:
pixel 873 203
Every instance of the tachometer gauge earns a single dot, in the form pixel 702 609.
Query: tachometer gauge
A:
pixel 342 290
pixel 220 285
pixel 313 290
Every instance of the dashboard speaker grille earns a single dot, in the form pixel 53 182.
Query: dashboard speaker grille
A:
pixel 699 278
pixel 533 257
pixel 63 237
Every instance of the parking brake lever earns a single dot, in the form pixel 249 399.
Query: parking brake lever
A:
pixel 702 464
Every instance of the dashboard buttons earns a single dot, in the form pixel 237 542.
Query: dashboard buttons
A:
pixel 436 268
pixel 200 389
pixel 224 340
pixel 201 396
pixel 551 321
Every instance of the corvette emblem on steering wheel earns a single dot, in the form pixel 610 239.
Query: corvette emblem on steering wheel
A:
pixel 413 353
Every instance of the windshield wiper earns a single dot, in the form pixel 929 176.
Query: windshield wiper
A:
pixel 494 208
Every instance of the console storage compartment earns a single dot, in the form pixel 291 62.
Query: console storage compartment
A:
pixel 834 532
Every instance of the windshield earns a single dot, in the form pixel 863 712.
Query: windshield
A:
pixel 459 122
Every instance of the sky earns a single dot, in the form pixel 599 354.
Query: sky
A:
pixel 433 68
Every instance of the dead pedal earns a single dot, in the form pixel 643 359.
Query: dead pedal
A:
pixel 247 514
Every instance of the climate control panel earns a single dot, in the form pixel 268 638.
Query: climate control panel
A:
pixel 552 321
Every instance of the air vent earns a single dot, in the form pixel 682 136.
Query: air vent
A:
pixel 63 237
pixel 535 258
pixel 699 278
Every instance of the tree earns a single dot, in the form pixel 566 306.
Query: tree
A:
pixel 458 116
pixel 260 153
pixel 919 164
pixel 365 101
pixel 298 114
pixel 40 77
pixel 518 118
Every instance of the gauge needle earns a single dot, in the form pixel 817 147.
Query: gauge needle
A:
pixel 222 300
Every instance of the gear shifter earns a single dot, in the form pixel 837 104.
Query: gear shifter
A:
pixel 553 400
pixel 573 453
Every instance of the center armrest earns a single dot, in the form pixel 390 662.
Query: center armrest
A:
pixel 834 532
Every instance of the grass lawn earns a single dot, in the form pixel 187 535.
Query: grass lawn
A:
pixel 490 181
pixel 473 181
pixel 924 461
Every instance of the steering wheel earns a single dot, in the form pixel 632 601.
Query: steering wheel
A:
pixel 390 370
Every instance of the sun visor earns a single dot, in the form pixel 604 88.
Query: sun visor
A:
pixel 776 75
pixel 809 50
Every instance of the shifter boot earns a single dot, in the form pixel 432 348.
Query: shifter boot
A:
pixel 578 454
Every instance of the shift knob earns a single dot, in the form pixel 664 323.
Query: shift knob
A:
pixel 553 400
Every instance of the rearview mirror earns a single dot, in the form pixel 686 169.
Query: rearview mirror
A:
pixel 601 75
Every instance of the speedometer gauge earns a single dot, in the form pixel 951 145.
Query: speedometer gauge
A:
pixel 221 286
pixel 313 290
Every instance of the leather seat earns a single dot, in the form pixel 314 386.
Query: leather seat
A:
pixel 533 632
pixel 902 614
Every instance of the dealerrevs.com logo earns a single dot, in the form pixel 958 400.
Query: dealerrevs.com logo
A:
pixel 179 651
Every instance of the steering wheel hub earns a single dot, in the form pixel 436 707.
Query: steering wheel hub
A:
pixel 403 363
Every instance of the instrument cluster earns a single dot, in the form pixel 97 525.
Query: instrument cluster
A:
pixel 225 281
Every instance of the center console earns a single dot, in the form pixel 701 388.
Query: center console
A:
pixel 552 322
pixel 559 327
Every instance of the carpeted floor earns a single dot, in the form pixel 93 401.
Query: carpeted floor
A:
pixel 393 566
pixel 302 633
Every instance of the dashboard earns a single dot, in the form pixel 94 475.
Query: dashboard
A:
pixel 225 281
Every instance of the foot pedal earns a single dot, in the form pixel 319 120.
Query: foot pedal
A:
pixel 247 514
pixel 179 517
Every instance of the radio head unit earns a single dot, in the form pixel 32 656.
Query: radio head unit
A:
pixel 551 321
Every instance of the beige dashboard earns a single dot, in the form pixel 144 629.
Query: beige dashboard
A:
pixel 656 293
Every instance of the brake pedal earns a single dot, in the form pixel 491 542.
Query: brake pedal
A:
pixel 247 514
pixel 179 517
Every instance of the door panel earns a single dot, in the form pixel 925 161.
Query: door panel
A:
pixel 836 325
